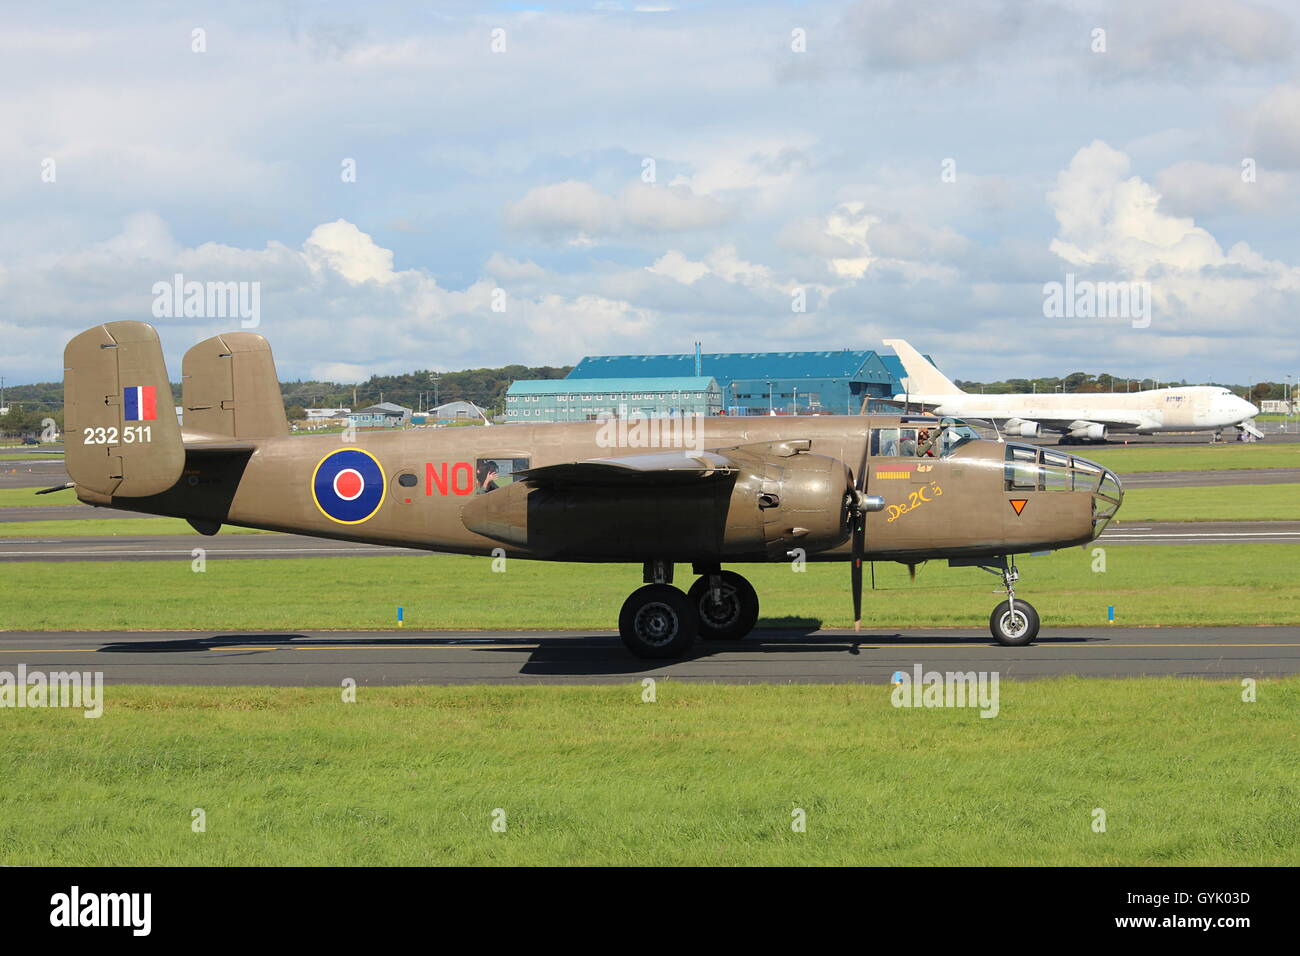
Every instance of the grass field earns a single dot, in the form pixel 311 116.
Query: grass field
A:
pixel 1147 585
pixel 28 498
pixel 8 457
pixel 1205 457
pixel 706 775
pixel 1228 503
pixel 79 527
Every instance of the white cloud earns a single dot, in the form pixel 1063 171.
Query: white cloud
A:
pixel 1113 224
pixel 351 253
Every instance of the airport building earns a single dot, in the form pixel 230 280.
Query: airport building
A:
pixel 587 399
pixel 383 415
pixel 456 411
pixel 759 383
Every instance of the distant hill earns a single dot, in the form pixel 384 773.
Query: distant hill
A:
pixel 485 387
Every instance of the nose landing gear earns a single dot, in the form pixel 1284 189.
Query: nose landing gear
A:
pixel 1013 623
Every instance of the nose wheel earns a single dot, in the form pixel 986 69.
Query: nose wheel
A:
pixel 1013 623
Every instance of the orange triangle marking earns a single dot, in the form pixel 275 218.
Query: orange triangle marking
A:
pixel 1018 504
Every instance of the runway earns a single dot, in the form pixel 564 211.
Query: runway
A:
pixel 1204 479
pixel 164 547
pixel 598 657
pixel 178 547
pixel 42 473
pixel 1202 532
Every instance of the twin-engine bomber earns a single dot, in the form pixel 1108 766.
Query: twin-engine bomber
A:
pixel 842 488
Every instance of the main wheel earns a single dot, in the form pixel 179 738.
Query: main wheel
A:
pixel 658 621
pixel 1014 628
pixel 733 616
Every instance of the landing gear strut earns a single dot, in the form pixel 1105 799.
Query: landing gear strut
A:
pixel 659 621
pixel 1013 623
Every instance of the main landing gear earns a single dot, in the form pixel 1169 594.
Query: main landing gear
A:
pixel 1013 623
pixel 659 621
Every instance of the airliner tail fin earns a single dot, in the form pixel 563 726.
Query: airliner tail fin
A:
pixel 922 377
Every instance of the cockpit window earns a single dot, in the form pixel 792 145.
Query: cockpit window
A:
pixel 1086 475
pixel 956 434
pixel 938 440
pixel 1022 473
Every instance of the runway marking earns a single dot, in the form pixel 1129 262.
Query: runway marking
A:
pixel 419 647
pixel 53 650
pixel 1210 534
pixel 586 643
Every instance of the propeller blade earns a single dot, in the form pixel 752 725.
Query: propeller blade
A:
pixel 859 534
pixel 856 572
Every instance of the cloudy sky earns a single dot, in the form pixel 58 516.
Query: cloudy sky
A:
pixel 638 177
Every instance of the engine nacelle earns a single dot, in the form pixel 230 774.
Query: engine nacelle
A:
pixel 781 498
pixel 784 500
pixel 1024 429
pixel 1089 430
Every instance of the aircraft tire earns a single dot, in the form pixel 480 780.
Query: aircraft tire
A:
pixel 736 616
pixel 657 621
pixel 1017 631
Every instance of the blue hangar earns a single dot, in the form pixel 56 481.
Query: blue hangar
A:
pixel 758 383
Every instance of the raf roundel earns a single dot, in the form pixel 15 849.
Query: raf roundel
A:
pixel 348 486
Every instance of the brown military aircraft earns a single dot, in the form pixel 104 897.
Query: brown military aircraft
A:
pixel 714 490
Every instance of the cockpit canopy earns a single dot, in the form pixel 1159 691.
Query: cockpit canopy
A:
pixel 921 437
pixel 1030 468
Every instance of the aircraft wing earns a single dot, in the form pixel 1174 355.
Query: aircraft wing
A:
pixel 680 467
pixel 1119 421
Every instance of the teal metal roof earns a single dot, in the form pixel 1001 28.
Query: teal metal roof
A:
pixel 567 386
pixel 728 366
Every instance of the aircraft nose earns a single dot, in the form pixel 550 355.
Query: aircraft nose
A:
pixel 1106 500
pixel 1248 409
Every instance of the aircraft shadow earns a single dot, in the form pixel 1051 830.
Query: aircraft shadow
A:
pixel 594 655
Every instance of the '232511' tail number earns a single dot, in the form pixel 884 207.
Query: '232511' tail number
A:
pixel 131 434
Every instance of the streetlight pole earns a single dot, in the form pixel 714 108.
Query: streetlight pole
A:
pixel 1290 404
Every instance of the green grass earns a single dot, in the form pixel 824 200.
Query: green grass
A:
pixel 28 498
pixel 1204 457
pixel 1186 773
pixel 6 457
pixel 1148 585
pixel 1229 503
pixel 105 527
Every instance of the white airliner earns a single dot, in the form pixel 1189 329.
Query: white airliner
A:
pixel 1077 416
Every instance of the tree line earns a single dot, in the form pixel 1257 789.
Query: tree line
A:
pixel 29 405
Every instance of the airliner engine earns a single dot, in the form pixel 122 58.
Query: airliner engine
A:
pixel 1089 430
